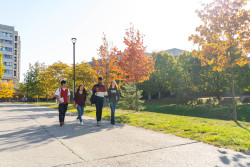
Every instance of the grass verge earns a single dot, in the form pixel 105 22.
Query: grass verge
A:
pixel 221 133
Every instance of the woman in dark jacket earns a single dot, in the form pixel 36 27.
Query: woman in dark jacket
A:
pixel 80 102
pixel 113 99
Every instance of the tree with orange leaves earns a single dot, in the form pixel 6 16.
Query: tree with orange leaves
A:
pixel 106 65
pixel 224 37
pixel 135 64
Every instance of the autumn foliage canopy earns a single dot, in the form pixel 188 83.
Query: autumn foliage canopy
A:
pixel 135 64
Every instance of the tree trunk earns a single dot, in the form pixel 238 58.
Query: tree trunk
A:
pixel 137 105
pixel 149 96
pixel 233 97
pixel 159 95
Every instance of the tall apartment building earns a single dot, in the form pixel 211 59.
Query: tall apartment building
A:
pixel 11 51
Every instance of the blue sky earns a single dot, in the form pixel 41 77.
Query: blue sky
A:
pixel 47 26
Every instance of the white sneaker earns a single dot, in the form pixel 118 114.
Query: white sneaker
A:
pixel 98 123
pixel 82 123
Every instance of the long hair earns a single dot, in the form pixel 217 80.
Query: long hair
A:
pixel 116 86
pixel 83 91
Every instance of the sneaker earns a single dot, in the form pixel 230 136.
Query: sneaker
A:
pixel 98 123
pixel 82 123
pixel 112 123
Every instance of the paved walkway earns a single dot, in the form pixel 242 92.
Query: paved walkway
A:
pixel 30 136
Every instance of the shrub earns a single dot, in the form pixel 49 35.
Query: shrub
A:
pixel 128 100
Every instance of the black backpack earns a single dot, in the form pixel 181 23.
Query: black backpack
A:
pixel 92 98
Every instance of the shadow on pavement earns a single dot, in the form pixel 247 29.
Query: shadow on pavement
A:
pixel 236 159
pixel 46 129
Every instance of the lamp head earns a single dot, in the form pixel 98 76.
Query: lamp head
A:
pixel 73 40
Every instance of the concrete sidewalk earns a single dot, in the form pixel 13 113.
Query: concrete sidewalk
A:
pixel 30 136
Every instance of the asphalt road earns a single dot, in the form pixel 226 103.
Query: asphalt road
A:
pixel 30 136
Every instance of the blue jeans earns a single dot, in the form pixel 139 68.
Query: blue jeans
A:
pixel 113 104
pixel 80 112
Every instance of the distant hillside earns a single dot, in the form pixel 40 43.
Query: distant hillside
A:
pixel 175 52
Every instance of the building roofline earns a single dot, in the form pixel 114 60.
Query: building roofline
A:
pixel 11 28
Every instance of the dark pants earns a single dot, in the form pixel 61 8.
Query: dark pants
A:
pixel 99 106
pixel 113 104
pixel 62 110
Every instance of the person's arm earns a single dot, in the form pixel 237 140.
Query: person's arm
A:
pixel 85 97
pixel 108 96
pixel 118 96
pixel 94 89
pixel 75 98
pixel 57 95
pixel 68 96
pixel 57 98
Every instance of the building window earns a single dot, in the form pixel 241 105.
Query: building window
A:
pixel 7 64
pixel 6 49
pixel 15 38
pixel 15 59
pixel 5 34
pixel 7 56
pixel 14 66
pixel 15 45
pixel 15 52
pixel 7 71
pixel 5 41
pixel 14 73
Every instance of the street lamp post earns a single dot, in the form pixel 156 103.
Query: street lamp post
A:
pixel 74 42
pixel 28 73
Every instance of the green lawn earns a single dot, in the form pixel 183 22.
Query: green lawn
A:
pixel 208 124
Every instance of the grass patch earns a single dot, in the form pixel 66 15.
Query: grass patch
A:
pixel 207 124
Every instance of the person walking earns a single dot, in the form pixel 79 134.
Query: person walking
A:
pixel 113 99
pixel 80 102
pixel 100 92
pixel 63 97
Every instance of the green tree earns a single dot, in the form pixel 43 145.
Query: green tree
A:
pixel 165 72
pixel 148 87
pixel 34 85
pixel 242 78
pixel 22 89
pixel 188 77
pixel 128 93
pixel 214 83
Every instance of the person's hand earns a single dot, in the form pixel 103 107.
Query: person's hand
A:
pixel 85 106
pixel 109 104
pixel 118 102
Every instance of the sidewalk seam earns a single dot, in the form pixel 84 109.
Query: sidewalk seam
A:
pixel 145 151
pixel 55 137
